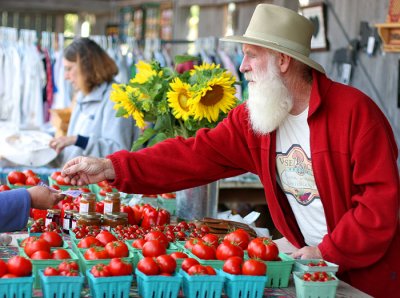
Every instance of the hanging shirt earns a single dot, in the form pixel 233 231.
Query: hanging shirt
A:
pixel 296 177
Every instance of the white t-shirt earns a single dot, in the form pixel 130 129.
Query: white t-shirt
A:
pixel 296 177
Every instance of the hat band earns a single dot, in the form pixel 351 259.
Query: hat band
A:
pixel 262 37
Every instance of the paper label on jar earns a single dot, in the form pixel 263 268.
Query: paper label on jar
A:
pixel 108 207
pixel 48 221
pixel 73 226
pixel 83 207
pixel 66 224
pixel 107 228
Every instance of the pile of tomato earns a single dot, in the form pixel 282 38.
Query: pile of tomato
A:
pixel 320 276
pixel 65 268
pixel 27 177
pixel 16 266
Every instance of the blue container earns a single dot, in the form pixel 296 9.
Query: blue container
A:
pixel 113 286
pixel 16 287
pixel 237 286
pixel 61 286
pixel 158 286
pixel 202 286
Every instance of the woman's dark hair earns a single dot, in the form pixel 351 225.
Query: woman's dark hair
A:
pixel 94 64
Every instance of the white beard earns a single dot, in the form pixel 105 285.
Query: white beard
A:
pixel 269 100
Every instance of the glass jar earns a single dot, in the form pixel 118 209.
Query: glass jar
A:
pixel 113 219
pixel 87 203
pixel 53 215
pixel 74 220
pixel 112 202
pixel 67 220
pixel 89 219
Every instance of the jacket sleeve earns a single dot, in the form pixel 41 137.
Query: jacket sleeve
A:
pixel 180 163
pixel 14 209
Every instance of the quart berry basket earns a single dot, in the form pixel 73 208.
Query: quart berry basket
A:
pixel 61 286
pixel 158 286
pixel 16 287
pixel 238 286
pixel 113 286
pixel 302 266
pixel 202 286
pixel 315 289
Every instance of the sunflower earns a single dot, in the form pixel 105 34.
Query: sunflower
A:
pixel 178 98
pixel 215 95
pixel 122 101
pixel 203 67
pixel 144 72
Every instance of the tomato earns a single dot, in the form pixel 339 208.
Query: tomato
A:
pixel 131 215
pixel 138 243
pixel 35 245
pixel 53 238
pixel 19 266
pixel 9 275
pixel 157 235
pixel 105 236
pixel 16 177
pixel 89 241
pixel 100 270
pixel 51 271
pixel 240 237
pixel 29 173
pixel 84 189
pixel 60 180
pixel 4 188
pixel 233 265
pixel 117 249
pixel 197 270
pixel 68 265
pixel 96 253
pixel 169 195
pixel 166 263
pixel 119 267
pixel 60 254
pixel 32 180
pixel 191 242
pixel 188 262
pixel 3 268
pixel 105 190
pixel 211 239
pixel 70 273
pixel 54 175
pixel 148 266
pixel 263 248
pixel 99 207
pixel 179 255
pixel 227 249
pixel 210 270
pixel 153 248
pixel 28 240
pixel 204 251
pixel 41 255
pixel 254 267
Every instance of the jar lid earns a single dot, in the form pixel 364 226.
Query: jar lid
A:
pixel 70 211
pixel 88 195
pixel 116 215
pixel 53 210
pixel 113 195
pixel 90 215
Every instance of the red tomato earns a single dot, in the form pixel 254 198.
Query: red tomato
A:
pixel 54 175
pixel 254 267
pixel 204 251
pixel 3 268
pixel 138 243
pixel 117 249
pixel 119 267
pixel 9 275
pixel 41 255
pixel 197 270
pixel 105 190
pixel 15 177
pixel 51 271
pixel 233 265
pixel 153 248
pixel 96 253
pixel 89 241
pixel 168 195
pixel 148 266
pixel 60 254
pixel 263 248
pixel 188 262
pixel 157 235
pixel 103 183
pixel 191 242
pixel 32 180
pixel 68 265
pixel 240 237
pixel 70 273
pixel 131 216
pixel 19 266
pixel 35 245
pixel 227 249
pixel 60 180
pixel 29 173
pixel 84 189
pixel 179 255
pixel 99 207
pixel 211 239
pixel 4 188
pixel 100 270
pixel 210 270
pixel 105 236
pixel 166 263
pixel 53 238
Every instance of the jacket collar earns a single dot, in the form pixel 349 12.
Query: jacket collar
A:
pixel 96 94
pixel 320 87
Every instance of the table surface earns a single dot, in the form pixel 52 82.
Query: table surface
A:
pixel 343 290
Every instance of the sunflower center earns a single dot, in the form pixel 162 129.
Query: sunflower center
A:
pixel 182 98
pixel 213 96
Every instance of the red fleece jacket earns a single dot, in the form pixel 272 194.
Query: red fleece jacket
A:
pixel 353 154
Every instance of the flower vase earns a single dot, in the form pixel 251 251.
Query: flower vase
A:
pixel 197 202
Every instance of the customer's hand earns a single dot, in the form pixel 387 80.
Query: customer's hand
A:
pixel 86 170
pixel 58 144
pixel 44 198
pixel 307 252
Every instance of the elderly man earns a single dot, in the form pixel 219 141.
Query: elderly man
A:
pixel 324 152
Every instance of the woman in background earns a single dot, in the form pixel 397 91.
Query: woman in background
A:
pixel 94 130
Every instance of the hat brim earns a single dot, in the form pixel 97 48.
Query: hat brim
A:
pixel 273 46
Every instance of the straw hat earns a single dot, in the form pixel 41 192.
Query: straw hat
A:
pixel 280 29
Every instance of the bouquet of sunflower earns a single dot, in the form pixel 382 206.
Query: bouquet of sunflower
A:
pixel 166 104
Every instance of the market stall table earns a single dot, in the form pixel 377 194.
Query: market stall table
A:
pixel 343 290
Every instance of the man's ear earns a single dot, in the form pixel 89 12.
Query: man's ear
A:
pixel 284 62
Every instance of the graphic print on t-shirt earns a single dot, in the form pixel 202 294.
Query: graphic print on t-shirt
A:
pixel 297 177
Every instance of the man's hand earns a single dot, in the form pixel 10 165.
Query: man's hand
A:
pixel 58 144
pixel 307 252
pixel 44 198
pixel 87 170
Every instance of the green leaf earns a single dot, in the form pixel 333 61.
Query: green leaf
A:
pixel 143 138
pixel 121 112
pixel 184 58
pixel 158 138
